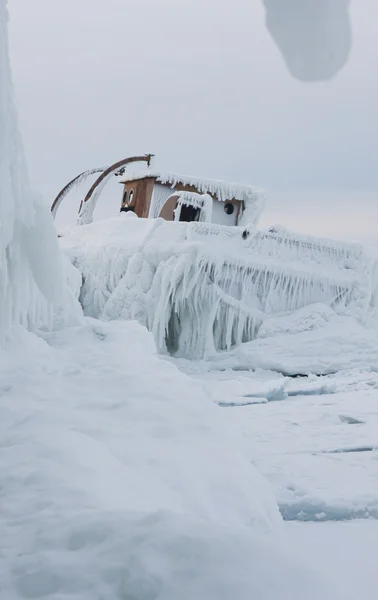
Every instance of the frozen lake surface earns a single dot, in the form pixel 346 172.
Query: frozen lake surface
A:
pixel 314 438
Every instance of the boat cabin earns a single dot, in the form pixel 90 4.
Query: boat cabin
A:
pixel 184 198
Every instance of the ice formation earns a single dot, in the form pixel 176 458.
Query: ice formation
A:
pixel 221 189
pixel 87 208
pixel 348 272
pixel 314 36
pixel 201 288
pixel 89 203
pixel 314 339
pixel 204 202
pixel 77 181
pixel 32 275
pixel 160 195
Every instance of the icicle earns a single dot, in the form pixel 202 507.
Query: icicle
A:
pixel 207 290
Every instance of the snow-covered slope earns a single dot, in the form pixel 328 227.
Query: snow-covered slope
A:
pixel 121 479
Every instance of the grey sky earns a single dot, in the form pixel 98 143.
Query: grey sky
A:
pixel 202 86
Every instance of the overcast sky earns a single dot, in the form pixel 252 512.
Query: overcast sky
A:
pixel 200 84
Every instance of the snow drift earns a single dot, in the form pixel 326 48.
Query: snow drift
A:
pixel 121 479
pixel 202 288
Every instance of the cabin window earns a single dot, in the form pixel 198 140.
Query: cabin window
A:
pixel 131 196
pixel 124 198
pixel 189 213
pixel 229 208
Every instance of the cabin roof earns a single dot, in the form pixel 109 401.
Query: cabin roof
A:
pixel 221 189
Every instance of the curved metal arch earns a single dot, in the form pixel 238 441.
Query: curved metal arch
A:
pixel 108 172
pixel 73 183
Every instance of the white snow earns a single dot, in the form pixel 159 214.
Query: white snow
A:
pixel 343 551
pixel 120 479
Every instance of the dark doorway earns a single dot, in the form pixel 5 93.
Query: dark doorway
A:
pixel 189 213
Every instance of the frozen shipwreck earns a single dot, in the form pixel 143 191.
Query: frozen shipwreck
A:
pixel 185 258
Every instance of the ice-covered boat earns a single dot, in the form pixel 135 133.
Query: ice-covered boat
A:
pixel 195 269
pixel 153 194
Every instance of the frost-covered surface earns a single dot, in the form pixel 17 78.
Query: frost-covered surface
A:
pixel 351 269
pixel 87 208
pixel 32 286
pixel 160 195
pixel 120 478
pixel 221 189
pixel 201 288
pixel 314 37
pixel 312 340
pixel 204 202
pixel 79 180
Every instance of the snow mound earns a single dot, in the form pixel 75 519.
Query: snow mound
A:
pixel 120 485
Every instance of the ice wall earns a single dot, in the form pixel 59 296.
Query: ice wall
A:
pixel 32 286
pixel 314 36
